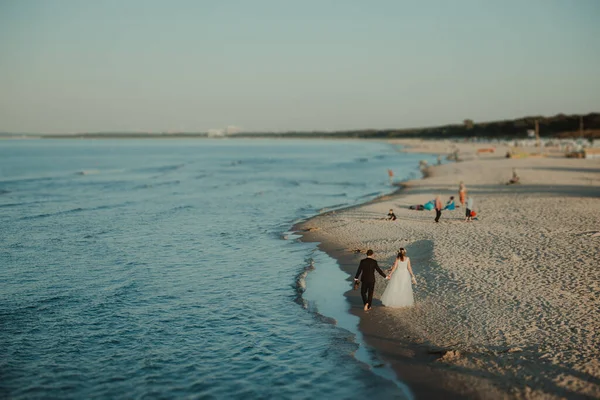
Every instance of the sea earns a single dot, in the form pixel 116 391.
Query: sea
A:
pixel 166 268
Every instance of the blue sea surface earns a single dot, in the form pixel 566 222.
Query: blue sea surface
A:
pixel 159 268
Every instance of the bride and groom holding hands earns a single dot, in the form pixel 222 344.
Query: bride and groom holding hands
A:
pixel 398 292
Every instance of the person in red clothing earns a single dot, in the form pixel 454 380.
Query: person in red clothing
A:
pixel 438 208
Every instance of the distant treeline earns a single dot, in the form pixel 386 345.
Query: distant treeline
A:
pixel 557 126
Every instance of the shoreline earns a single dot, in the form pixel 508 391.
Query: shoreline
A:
pixel 438 360
pixel 409 360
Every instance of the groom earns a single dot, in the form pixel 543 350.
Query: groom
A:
pixel 367 267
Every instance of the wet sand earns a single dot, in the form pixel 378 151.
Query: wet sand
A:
pixel 507 306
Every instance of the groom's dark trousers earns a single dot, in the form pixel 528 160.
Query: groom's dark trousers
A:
pixel 366 291
pixel 366 271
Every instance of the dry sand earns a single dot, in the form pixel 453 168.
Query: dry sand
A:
pixel 507 306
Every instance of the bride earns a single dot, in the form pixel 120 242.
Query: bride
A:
pixel 398 292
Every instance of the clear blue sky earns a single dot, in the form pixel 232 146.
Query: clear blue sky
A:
pixel 277 65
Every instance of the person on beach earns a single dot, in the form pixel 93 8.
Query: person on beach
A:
pixel 462 193
pixel 398 292
pixel 450 204
pixel 438 208
pixel 430 205
pixel 366 271
pixel 391 216
pixel 514 179
pixel 468 216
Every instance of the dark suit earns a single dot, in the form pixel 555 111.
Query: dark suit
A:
pixel 367 268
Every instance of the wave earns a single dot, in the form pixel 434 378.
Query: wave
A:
pixel 93 235
pixel 158 184
pixel 107 184
pixel 300 285
pixel 333 207
pixel 336 195
pixel 325 183
pixel 300 288
pixel 309 208
pixel 184 207
pixel 161 170
pixel 373 194
pixel 88 172
pixel 76 210
pixel 109 206
pixel 20 311
pixel 345 184
pixel 174 210
pixel 24 203
pixel 29 180
pixel 258 161
pixel 114 294
pixel 169 168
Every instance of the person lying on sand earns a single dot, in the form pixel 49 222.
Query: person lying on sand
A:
pixel 427 206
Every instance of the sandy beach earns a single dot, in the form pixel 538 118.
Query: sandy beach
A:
pixel 507 306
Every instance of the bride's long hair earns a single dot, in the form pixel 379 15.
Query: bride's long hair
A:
pixel 401 254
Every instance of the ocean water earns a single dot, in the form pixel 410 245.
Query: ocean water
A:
pixel 161 268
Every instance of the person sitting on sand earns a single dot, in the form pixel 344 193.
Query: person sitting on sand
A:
pixel 514 179
pixel 391 216
pixel 468 216
pixel 450 204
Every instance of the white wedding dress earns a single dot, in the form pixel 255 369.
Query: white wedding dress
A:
pixel 398 292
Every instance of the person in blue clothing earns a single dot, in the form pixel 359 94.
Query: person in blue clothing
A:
pixel 429 205
pixel 450 204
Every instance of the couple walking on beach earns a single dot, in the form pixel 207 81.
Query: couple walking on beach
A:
pixel 398 292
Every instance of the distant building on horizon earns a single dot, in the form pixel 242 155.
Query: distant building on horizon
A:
pixel 230 130
pixel 216 133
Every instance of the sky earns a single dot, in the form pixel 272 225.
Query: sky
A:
pixel 71 66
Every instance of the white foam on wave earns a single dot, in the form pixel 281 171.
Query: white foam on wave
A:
pixel 88 172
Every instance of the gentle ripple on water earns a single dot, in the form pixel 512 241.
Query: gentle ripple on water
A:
pixel 125 274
